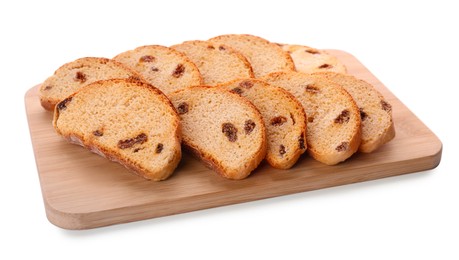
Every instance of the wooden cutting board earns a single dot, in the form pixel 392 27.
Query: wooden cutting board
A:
pixel 82 190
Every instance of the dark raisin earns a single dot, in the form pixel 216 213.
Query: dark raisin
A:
pixel 159 148
pixel 342 147
pixel 363 115
pixel 282 150
pixel 237 91
pixel 249 126
pixel 80 77
pixel 182 108
pixel 230 131
pixel 246 84
pixel 154 69
pixel 312 51
pixel 98 133
pixel 343 117
pixel 147 58
pixel 301 142
pixel 137 149
pixel 310 119
pixel 128 143
pixel 63 104
pixel 222 48
pixel 293 118
pixel 48 87
pixel 386 106
pixel 312 89
pixel 179 70
pixel 325 66
pixel 278 120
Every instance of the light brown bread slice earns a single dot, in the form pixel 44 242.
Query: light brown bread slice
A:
pixel 334 130
pixel 126 121
pixel 283 116
pixel 309 60
pixel 375 111
pixel 74 75
pixel 163 67
pixel 264 57
pixel 221 128
pixel 216 62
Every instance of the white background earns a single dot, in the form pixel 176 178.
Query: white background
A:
pixel 411 46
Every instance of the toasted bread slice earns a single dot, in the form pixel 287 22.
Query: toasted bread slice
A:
pixel 264 56
pixel 216 62
pixel 309 60
pixel 126 121
pixel 284 119
pixel 221 128
pixel 163 67
pixel 334 126
pixel 74 75
pixel 375 112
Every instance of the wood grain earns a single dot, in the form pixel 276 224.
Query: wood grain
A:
pixel 82 190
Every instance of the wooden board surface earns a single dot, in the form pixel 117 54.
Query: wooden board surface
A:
pixel 82 190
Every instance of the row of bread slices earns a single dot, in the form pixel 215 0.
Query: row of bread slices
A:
pixel 233 100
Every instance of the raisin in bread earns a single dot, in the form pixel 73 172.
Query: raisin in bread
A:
pixel 221 128
pixel 334 131
pixel 284 119
pixel 375 111
pixel 76 74
pixel 163 67
pixel 264 57
pixel 126 121
pixel 311 60
pixel 216 62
